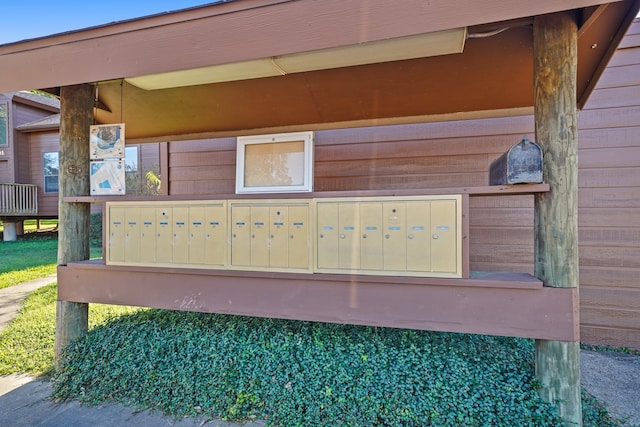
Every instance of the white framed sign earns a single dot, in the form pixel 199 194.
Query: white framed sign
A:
pixel 275 163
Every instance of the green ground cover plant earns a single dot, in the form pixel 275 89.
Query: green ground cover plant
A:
pixel 293 373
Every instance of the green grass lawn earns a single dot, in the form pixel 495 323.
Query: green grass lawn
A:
pixel 25 260
pixel 32 256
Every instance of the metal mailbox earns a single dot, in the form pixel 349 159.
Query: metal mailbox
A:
pixel 521 164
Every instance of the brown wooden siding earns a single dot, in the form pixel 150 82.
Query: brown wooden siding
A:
pixel 609 215
pixel 450 154
pixel 22 152
pixel 40 143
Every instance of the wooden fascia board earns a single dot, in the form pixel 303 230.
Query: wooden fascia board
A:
pixel 239 31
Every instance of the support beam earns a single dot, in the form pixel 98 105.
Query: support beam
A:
pixel 76 115
pixel 556 212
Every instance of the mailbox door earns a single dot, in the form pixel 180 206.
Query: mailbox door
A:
pixel 180 235
pixel 349 237
pixel 419 236
pixel 132 234
pixel 279 236
pixel 147 234
pixel 241 235
pixel 215 235
pixel 197 254
pixel 443 236
pixel 327 235
pixel 395 236
pixel 164 241
pixel 371 250
pixel 299 245
pixel 116 234
pixel 260 236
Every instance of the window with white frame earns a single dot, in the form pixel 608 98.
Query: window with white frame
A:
pixel 51 165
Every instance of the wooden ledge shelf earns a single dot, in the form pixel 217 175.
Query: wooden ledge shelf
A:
pixel 507 304
pixel 489 190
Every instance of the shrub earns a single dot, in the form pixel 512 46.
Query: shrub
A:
pixel 95 229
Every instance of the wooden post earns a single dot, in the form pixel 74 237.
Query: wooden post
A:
pixel 76 115
pixel 556 212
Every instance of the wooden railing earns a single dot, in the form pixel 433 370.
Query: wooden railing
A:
pixel 18 199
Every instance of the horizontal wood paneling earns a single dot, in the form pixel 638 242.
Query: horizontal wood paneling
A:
pixel 608 137
pixel 625 75
pixel 622 197
pixel 610 256
pixel 618 177
pixel 609 298
pixel 609 217
pixel 609 118
pixel 615 97
pixel 612 236
pixel 622 319
pixel 610 277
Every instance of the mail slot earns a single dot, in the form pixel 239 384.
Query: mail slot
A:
pixel 521 164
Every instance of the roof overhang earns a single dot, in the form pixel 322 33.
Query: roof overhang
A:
pixel 249 66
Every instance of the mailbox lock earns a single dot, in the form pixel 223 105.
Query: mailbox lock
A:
pixel 342 236
pixel 364 236
pixel 386 236
pixel 435 236
pixel 322 236
pixel 291 236
pixel 410 236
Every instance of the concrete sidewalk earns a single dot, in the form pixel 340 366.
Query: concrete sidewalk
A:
pixel 613 378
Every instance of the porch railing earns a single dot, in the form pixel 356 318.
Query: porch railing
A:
pixel 18 199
